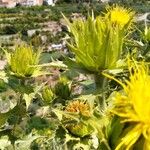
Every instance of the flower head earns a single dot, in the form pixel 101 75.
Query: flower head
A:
pixel 120 16
pixel 134 107
pixel 23 61
pixel 80 107
pixel 89 42
pixel 79 129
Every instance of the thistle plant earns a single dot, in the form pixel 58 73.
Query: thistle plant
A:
pixel 97 42
pixel 34 116
pixel 18 76
pixel 133 107
pixel 83 109
pixel 23 62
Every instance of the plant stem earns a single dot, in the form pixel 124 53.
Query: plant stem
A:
pixel 22 82
pixel 101 83
pixel 19 105
pixel 98 81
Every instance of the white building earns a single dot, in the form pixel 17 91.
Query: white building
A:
pixel 31 2
pixel 12 3
pixel 7 3
pixel 50 2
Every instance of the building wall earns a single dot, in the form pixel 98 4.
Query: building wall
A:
pixel 5 1
pixel 34 2
pixel 39 2
pixel 50 2
pixel 12 3
pixel 31 2
pixel 9 3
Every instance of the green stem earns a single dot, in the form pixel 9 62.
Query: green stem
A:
pixel 19 106
pixel 22 82
pixel 105 144
pixel 98 81
pixel 147 50
pixel 100 134
pixel 101 83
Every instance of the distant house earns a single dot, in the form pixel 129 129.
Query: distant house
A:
pixel 7 3
pixel 12 3
pixel 31 2
pixel 50 2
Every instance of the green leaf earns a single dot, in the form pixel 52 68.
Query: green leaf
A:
pixel 71 63
pixel 114 131
pixel 3 118
pixel 29 97
pixel 4 142
pixel 82 146
pixel 3 76
pixel 55 64
pixel 25 143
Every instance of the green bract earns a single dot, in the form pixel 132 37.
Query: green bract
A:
pixel 96 43
pixel 81 129
pixel 63 88
pixel 48 95
pixel 147 34
pixel 22 62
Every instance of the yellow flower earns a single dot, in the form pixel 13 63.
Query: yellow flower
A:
pixel 134 107
pixel 120 16
pixel 78 106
